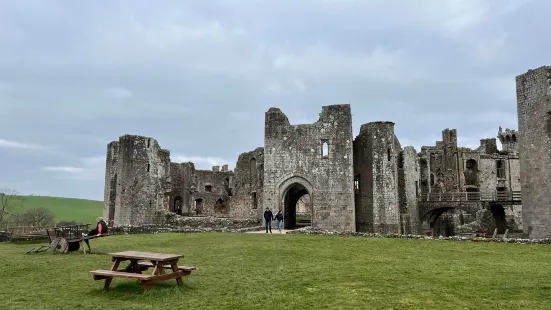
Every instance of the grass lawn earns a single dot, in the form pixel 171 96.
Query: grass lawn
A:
pixel 258 271
pixel 66 209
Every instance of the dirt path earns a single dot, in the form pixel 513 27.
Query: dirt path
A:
pixel 274 232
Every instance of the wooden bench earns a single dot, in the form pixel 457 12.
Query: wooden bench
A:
pixel 104 274
pixel 146 265
pixel 141 261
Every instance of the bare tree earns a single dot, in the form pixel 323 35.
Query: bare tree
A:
pixel 10 200
pixel 37 217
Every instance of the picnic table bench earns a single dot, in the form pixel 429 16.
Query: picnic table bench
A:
pixel 141 261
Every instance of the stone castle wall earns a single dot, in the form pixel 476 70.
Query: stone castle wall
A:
pixel 377 206
pixel 411 175
pixel 534 144
pixel 366 184
pixel 295 164
pixel 248 184
pixel 140 173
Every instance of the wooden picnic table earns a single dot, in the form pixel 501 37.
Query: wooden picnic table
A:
pixel 141 261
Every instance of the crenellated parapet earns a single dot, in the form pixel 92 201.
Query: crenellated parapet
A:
pixel 508 139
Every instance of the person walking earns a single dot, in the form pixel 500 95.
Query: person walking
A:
pixel 268 217
pixel 279 219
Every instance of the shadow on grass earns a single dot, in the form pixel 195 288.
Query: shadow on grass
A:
pixel 131 289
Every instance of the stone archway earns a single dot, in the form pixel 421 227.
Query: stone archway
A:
pixel 291 190
pixel 178 205
pixel 499 219
pixel 437 223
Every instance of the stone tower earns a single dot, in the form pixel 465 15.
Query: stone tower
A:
pixel 314 159
pixel 137 181
pixel 376 178
pixel 534 143
pixel 508 139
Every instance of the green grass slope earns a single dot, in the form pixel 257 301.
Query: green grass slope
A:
pixel 273 271
pixel 66 209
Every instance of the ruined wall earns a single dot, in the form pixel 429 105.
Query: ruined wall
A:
pixel 410 168
pixel 211 196
pixel 442 164
pixel 248 185
pixel 303 206
pixel 294 162
pixel 111 180
pixel 143 185
pixel 485 170
pixel 183 187
pixel 497 172
pixel 534 142
pixel 375 168
pixel 487 173
pixel 469 177
pixel 513 169
pixel 488 146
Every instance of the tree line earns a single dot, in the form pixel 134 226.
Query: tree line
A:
pixel 12 212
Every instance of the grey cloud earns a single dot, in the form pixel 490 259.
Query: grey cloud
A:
pixel 199 75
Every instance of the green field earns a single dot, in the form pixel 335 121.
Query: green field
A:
pixel 65 209
pixel 259 271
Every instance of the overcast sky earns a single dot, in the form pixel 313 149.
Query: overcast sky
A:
pixel 199 75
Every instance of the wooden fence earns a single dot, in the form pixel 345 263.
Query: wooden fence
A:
pixel 511 196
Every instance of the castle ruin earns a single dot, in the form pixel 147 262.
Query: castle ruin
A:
pixel 321 174
pixel 366 184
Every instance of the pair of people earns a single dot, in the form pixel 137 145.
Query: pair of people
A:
pixel 269 216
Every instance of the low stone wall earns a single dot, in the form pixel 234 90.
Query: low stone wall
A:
pixel 205 222
pixel 156 229
pixel 168 222
pixel 311 231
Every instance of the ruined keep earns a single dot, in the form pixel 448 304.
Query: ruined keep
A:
pixel 463 190
pixel 534 145
pixel 376 178
pixel 314 159
pixel 319 173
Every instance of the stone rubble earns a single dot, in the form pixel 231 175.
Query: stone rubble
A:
pixel 312 231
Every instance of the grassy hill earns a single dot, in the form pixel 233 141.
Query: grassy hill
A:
pixel 66 209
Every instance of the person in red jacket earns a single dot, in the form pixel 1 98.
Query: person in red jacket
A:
pixel 100 230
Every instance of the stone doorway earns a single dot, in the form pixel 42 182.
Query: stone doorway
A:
pixel 291 198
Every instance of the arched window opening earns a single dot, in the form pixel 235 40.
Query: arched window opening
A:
pixel 252 168
pixel 324 149
pixel 255 200
pixel 471 172
pixel 198 208
pixel 220 207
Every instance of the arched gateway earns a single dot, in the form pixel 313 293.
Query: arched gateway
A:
pixel 290 191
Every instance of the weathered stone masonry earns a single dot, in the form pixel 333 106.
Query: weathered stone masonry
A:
pixel 447 170
pixel 141 180
pixel 366 184
pixel 377 178
pixel 534 144
pixel 314 159
pixel 137 180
